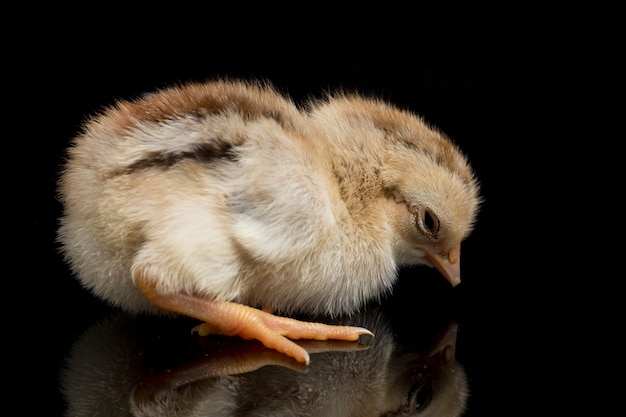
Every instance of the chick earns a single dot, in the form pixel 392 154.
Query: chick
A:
pixel 226 202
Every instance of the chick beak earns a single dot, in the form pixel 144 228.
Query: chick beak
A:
pixel 449 264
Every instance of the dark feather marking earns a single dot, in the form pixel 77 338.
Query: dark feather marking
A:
pixel 206 152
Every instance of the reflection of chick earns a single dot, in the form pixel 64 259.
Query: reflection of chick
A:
pixel 123 366
pixel 386 380
pixel 210 199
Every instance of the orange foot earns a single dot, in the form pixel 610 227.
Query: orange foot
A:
pixel 232 319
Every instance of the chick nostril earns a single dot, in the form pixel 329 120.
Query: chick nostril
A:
pixel 454 255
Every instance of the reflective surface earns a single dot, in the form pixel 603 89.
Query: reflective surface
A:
pixel 149 367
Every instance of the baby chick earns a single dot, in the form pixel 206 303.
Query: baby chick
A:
pixel 226 202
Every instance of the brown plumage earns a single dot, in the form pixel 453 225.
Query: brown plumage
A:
pixel 216 199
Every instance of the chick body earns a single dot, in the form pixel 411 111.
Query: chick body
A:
pixel 226 190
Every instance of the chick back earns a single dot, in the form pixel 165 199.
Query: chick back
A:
pixel 220 189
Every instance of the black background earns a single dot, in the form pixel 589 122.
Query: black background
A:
pixel 507 91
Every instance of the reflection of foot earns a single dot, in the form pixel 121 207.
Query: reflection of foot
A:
pixel 321 346
pixel 231 357
pixel 226 357
pixel 232 319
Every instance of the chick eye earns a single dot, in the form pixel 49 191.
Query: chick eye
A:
pixel 428 223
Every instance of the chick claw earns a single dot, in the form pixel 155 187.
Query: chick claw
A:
pixel 205 329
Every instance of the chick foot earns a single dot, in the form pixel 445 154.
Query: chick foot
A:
pixel 233 319
pixel 273 331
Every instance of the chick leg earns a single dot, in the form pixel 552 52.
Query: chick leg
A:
pixel 234 319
